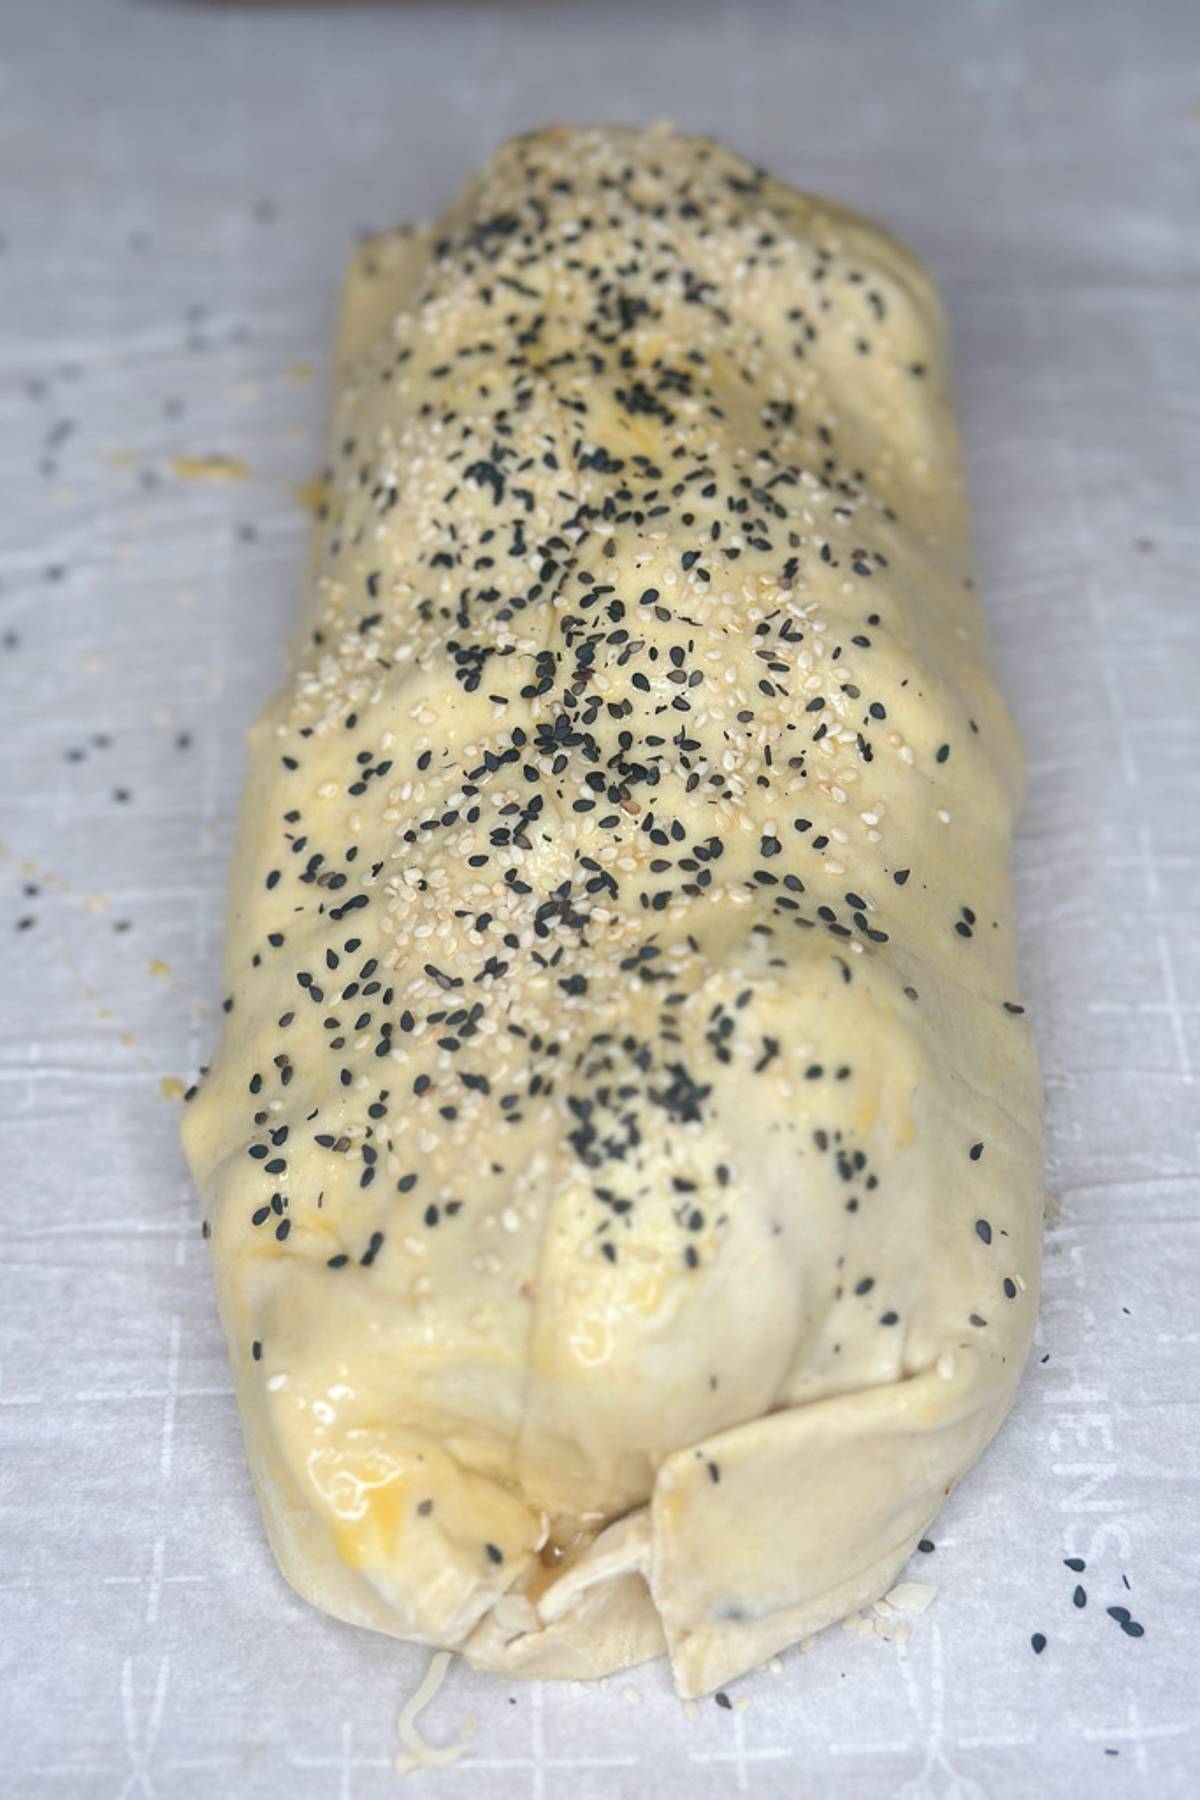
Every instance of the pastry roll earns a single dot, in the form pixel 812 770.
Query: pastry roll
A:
pixel 622 1151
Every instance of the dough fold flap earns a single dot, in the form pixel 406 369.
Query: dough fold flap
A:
pixel 756 1539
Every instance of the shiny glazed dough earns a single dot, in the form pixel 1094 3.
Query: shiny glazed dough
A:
pixel 622 1152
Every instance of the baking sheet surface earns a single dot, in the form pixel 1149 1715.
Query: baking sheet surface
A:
pixel 179 187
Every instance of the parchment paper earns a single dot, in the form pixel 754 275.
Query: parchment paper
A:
pixel 179 187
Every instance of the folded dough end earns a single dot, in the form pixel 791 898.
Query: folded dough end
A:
pixel 758 1538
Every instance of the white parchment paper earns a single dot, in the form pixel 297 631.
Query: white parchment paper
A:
pixel 179 187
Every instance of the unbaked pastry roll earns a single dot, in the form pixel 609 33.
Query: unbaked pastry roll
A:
pixel 622 1153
